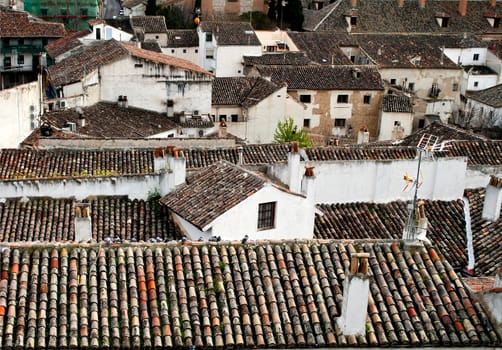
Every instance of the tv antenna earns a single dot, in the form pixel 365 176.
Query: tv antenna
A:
pixel 416 226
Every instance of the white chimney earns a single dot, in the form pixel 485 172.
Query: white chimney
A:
pixel 177 166
pixel 294 180
pixel 240 151
pixel 83 226
pixel 355 296
pixel 308 182
pixel 363 136
pixel 222 131
pixel 493 199
pixel 159 159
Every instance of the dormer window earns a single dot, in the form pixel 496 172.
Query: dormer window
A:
pixel 353 20
pixel 493 19
pixel 442 19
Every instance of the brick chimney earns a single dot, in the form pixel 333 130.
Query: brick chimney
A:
pixel 353 3
pixel 83 225
pixel 294 168
pixel 355 296
pixel 400 3
pixel 493 199
pixel 462 7
pixel 308 182
pixel 493 3
pixel 421 3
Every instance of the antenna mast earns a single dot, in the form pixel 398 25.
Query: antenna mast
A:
pixel 417 223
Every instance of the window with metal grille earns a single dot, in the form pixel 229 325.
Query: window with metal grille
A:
pixel 266 215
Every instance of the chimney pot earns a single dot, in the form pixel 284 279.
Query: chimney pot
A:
pixel 493 3
pixel 309 170
pixel 421 3
pixel 353 3
pixel 400 3
pixel 295 147
pixel 83 227
pixel 159 152
pixel 462 7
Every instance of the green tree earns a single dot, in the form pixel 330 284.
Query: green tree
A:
pixel 174 17
pixel 259 20
pixel 293 14
pixel 287 131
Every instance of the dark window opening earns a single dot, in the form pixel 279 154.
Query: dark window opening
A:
pixel 340 122
pixel 444 22
pixel 170 103
pixel 98 33
pixel 421 123
pixel 476 84
pixel 496 22
pixel 266 215
pixel 20 59
pixel 235 118
pixel 353 21
pixel 306 123
pixel 342 99
pixel 367 99
pixel 475 57
pixel 43 12
pixel 411 86
pixel 172 50
pixel 184 50
pixel 83 12
pixel 455 87
pixel 209 36
pixel 223 117
pixel 305 98
pixel 393 82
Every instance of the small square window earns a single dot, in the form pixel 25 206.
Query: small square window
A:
pixel 83 12
pixel 43 12
pixel 157 37
pixel 170 103
pixel 223 117
pixel 305 98
pixel 64 12
pixel 393 82
pixel 209 36
pixel 353 21
pixel 476 84
pixel 397 123
pixel 421 123
pixel 367 99
pixel 20 59
pixel 184 50
pixel 196 50
pixel 266 215
pixel 340 123
pixel 475 57
pixel 342 99
pixel 235 118
pixel 306 123
pixel 172 50
pixel 411 86
pixel 455 87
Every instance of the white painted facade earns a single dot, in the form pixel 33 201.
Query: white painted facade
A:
pixel 472 80
pixel 224 61
pixel 19 111
pixel 479 176
pixel 315 118
pixel 135 9
pixel 381 181
pixel 187 53
pixel 294 217
pixel 103 31
pixel 495 64
pixel 471 56
pixel 258 123
pixel 443 108
pixel 395 126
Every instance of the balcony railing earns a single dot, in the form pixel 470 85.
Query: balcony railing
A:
pixel 21 49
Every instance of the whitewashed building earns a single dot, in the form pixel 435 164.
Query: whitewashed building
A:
pixel 396 118
pixel 484 108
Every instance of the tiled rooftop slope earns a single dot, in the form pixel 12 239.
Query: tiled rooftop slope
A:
pixel 45 219
pixel 446 227
pixel 223 295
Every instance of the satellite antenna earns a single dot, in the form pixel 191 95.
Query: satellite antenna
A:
pixel 416 226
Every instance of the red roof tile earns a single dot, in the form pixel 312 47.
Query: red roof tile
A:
pixel 14 24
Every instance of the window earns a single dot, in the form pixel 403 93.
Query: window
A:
pixel 339 123
pixel 353 21
pixel 138 65
pixel 43 12
pixel 98 33
pixel 306 123
pixel 271 48
pixel 266 215
pixel 455 87
pixel 209 53
pixel 156 37
pixel 20 41
pixel 170 103
pixel 172 50
pixel 496 22
pixel 184 50
pixel 196 50
pixel 223 117
pixel 367 99
pixel 393 81
pixel 83 12
pixel 476 84
pixel 7 62
pixel 209 36
pixel 411 86
pixel 397 123
pixel 342 99
pixel 235 118
pixel 444 22
pixel 352 59
pixel 20 59
pixel 421 123
pixel 305 98
pixel 475 57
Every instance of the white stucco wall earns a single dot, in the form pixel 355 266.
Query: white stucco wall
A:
pixel 19 107
pixel 294 217
pixel 229 59
pixel 382 181
pixel 151 85
pixel 106 33
pixel 475 82
pixel 465 56
pixel 387 124
pixel 272 37
pixel 187 53
pixel 479 176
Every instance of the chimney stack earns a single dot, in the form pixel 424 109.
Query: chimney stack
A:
pixel 493 199
pixel 308 182
pixel 355 296
pixel 493 3
pixel 294 168
pixel 83 226
pixel 363 136
pixel 462 7
pixel 421 3
pixel 159 159
pixel 353 3
pixel 240 151
pixel 177 166
pixel 400 3
pixel 222 131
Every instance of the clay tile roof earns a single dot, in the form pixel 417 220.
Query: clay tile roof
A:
pixel 446 227
pixel 324 77
pixel 445 132
pixel 182 38
pixel 491 96
pixel 397 104
pixel 100 53
pixel 149 24
pixel 281 295
pixel 324 48
pixel 65 44
pixel 49 219
pixel 14 24
pixel 21 164
pixel 211 192
pixel 385 16
pixel 151 45
pixel 241 91
pixel 290 58
pixel 122 23
pixel 108 120
pixel 231 33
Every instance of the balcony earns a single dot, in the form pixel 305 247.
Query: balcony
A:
pixel 15 49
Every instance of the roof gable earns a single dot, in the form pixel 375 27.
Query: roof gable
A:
pixel 242 91
pixel 491 96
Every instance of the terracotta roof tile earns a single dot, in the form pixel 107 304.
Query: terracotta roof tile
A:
pixel 17 24
pixel 444 132
pixel 323 48
pixel 292 58
pixel 182 38
pixel 241 91
pixel 323 77
pixel 397 104
pixel 446 227
pixel 68 42
pixel 272 294
pixel 108 120
pixel 149 24
pixel 491 96
pixel 231 33
pixel 211 192
pixel 48 219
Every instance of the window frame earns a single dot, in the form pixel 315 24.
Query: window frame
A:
pixel 342 99
pixel 367 99
pixel 305 98
pixel 340 122
pixel 266 216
